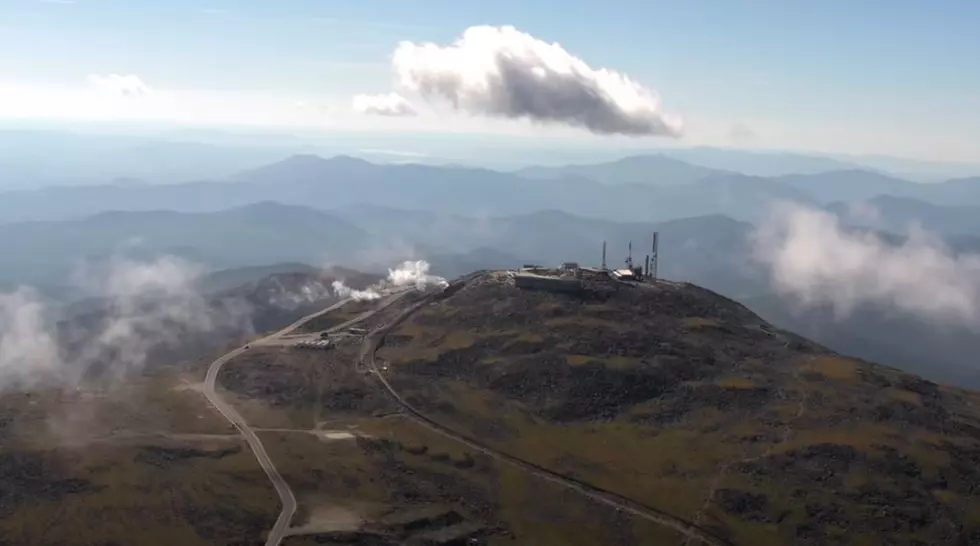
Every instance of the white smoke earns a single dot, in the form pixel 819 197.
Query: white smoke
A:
pixel 503 72
pixel 415 273
pixel 409 273
pixel 344 291
pixel 812 258
pixel 390 104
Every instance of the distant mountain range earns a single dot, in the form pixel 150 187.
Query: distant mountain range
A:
pixel 641 189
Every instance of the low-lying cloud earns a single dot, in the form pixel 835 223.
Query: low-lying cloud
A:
pixel 813 258
pixel 505 73
pixel 29 352
pixel 128 85
pixel 140 312
pixel 388 104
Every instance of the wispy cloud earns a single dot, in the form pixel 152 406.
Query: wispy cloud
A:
pixel 390 104
pixel 390 25
pixel 741 133
pixel 398 153
pixel 812 257
pixel 128 85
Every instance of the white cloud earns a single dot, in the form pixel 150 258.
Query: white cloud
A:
pixel 741 133
pixel 390 104
pixel 502 72
pixel 126 85
pixel 811 257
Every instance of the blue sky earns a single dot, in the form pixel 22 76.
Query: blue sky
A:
pixel 870 76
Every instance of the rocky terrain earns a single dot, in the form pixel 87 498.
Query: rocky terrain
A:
pixel 685 401
pixel 667 396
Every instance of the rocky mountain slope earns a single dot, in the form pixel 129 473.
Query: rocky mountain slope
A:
pixel 686 402
pixel 628 414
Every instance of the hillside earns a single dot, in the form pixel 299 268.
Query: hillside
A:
pixel 631 414
pixel 686 402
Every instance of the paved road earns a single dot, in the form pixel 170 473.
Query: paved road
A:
pixel 286 495
pixel 688 529
pixel 282 488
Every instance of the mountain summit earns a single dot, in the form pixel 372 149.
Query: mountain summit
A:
pixel 686 402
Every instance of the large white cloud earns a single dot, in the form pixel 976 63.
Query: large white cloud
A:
pixel 503 72
pixel 390 104
pixel 126 85
pixel 812 257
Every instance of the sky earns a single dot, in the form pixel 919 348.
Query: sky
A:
pixel 896 77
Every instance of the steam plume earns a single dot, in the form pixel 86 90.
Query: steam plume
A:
pixel 415 273
pixel 811 257
pixel 344 291
pixel 409 273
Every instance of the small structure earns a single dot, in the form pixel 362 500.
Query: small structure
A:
pixel 322 344
pixel 624 274
pixel 548 283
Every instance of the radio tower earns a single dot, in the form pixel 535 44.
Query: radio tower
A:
pixel 653 255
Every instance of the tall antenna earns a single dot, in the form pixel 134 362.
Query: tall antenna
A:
pixel 654 255
pixel 603 255
pixel 629 257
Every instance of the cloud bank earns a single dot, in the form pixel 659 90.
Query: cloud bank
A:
pixel 122 85
pixel 505 73
pixel 390 104
pixel 812 258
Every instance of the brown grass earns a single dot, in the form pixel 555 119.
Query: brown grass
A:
pixel 833 367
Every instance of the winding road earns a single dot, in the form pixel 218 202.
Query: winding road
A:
pixel 367 359
pixel 286 495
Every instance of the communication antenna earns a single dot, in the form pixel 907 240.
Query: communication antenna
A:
pixel 654 255
pixel 629 257
pixel 603 255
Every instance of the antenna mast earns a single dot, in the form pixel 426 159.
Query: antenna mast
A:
pixel 603 255
pixel 654 255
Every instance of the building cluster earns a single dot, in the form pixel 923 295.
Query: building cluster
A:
pixel 570 277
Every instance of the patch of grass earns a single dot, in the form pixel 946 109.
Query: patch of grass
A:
pixel 736 383
pixel 700 322
pixel 834 367
pixel 904 395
